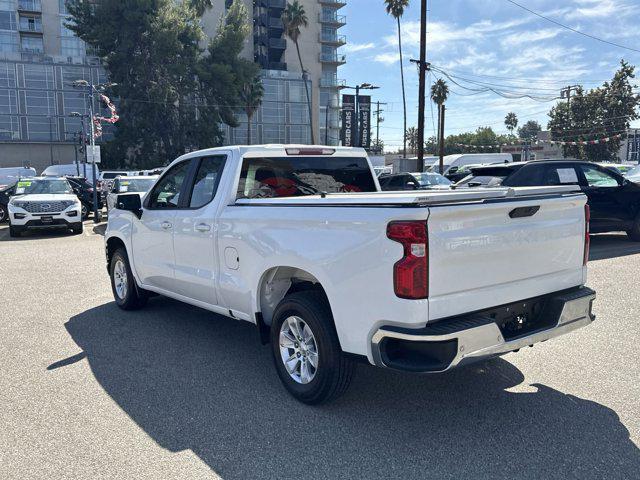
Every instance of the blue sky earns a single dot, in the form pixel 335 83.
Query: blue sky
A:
pixel 491 41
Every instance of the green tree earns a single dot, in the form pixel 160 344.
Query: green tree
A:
pixel 294 17
pixel 411 137
pixel 439 95
pixel 529 131
pixel 377 146
pixel 251 97
pixel 166 107
pixel 511 121
pixel 201 6
pixel 602 112
pixel 395 8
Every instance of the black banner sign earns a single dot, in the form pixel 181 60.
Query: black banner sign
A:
pixel 364 108
pixel 348 119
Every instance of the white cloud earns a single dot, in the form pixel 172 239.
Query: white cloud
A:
pixel 386 58
pixel 358 47
pixel 529 36
pixel 593 9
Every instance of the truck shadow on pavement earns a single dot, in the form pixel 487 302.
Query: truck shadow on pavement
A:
pixel 193 380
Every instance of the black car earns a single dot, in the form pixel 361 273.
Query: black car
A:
pixel 398 181
pixel 614 200
pixel 84 190
pixel 5 195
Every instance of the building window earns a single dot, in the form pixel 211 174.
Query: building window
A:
pixel 298 134
pixel 7 75
pixel 273 134
pixel 8 20
pixel 9 128
pixel 71 74
pixel 72 47
pixel 8 101
pixel 42 129
pixel 274 90
pixel 8 42
pixel 40 103
pixel 32 44
pixel 74 102
pixel 297 92
pixel 273 113
pixel 298 113
pixel 38 77
pixel 63 7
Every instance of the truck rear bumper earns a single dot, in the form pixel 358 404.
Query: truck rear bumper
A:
pixel 453 342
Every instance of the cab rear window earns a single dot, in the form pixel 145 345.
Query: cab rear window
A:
pixel 303 176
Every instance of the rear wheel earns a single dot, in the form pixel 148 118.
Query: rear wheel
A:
pixel 77 229
pixel 3 214
pixel 306 350
pixel 127 294
pixel 85 211
pixel 634 232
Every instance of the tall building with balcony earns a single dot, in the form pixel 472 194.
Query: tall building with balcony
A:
pixel 284 115
pixel 39 58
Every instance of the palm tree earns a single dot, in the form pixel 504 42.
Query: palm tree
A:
pixel 294 17
pixel 251 96
pixel 395 8
pixel 511 122
pixel 439 95
pixel 412 137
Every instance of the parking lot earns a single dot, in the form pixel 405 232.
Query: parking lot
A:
pixel 89 391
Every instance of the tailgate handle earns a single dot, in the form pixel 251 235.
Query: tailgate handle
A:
pixel 523 212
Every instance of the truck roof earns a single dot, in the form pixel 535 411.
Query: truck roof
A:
pixel 281 150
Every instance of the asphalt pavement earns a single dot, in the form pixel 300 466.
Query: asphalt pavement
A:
pixel 172 391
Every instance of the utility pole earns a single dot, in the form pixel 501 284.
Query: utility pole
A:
pixel 422 83
pixel 378 120
pixel 566 92
pixel 443 108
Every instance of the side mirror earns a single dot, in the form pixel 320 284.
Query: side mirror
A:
pixel 130 202
pixel 453 170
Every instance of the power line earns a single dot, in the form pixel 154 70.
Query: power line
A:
pixel 555 22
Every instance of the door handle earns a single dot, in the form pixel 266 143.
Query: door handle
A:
pixel 166 225
pixel 203 227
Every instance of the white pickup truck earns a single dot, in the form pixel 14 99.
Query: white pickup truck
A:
pixel 301 242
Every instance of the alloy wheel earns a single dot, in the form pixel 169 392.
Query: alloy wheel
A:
pixel 298 350
pixel 120 279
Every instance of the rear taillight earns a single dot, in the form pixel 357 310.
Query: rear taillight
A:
pixel 587 239
pixel 411 273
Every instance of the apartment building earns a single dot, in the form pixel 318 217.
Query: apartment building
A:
pixel 39 60
pixel 284 116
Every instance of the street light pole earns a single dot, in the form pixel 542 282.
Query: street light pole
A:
pixel 357 88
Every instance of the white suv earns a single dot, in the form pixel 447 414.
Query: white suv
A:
pixel 43 203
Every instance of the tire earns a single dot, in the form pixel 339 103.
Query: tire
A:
pixel 15 232
pixel 127 294
pixel 77 229
pixel 333 370
pixel 4 216
pixel 634 232
pixel 85 211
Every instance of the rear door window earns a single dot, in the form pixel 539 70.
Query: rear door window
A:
pixel 561 175
pixel 273 177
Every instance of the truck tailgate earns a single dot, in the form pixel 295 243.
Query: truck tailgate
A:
pixel 479 256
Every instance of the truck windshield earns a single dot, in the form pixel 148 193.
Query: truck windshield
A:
pixel 34 187
pixel 302 176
